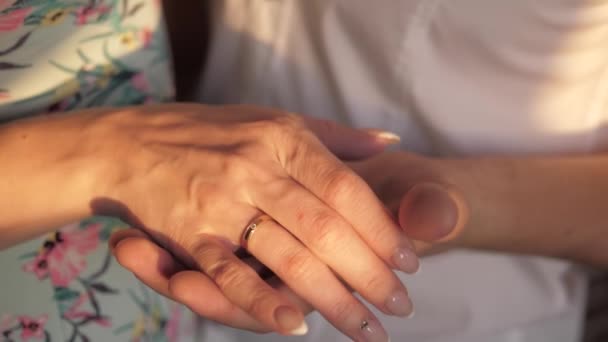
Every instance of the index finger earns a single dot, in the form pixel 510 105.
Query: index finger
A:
pixel 313 166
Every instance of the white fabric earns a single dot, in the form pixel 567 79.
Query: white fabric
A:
pixel 457 78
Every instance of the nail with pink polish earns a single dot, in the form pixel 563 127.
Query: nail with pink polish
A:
pixel 399 304
pixel 372 331
pixel 406 260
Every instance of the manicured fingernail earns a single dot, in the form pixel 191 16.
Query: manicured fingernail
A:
pixel 372 331
pixel 399 304
pixel 388 137
pixel 412 314
pixel 301 330
pixel 290 321
pixel 406 260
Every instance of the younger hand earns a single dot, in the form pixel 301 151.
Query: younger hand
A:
pixel 422 195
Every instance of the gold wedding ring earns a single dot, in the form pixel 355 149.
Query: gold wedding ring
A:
pixel 248 232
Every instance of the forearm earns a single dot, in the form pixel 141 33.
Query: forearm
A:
pixel 48 175
pixel 545 206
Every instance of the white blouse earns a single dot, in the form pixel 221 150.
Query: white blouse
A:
pixel 454 78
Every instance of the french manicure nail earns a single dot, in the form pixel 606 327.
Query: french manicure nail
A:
pixel 386 136
pixel 389 136
pixel 372 331
pixel 406 260
pixel 419 269
pixel 412 314
pixel 291 321
pixel 301 330
pixel 399 304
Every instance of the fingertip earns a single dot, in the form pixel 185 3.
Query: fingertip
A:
pixel 351 143
pixel 419 269
pixel 122 252
pixel 290 320
pixel 412 314
pixel 300 330
pixel 429 212
pixel 122 234
pixel 144 257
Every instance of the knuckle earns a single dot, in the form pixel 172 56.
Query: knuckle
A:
pixel 259 300
pixel 224 273
pixel 289 122
pixel 296 264
pixel 340 185
pixel 236 167
pixel 281 126
pixel 344 308
pixel 287 134
pixel 382 235
pixel 293 149
pixel 374 284
pixel 323 228
pixel 198 249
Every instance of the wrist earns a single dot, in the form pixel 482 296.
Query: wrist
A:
pixel 50 174
pixel 501 206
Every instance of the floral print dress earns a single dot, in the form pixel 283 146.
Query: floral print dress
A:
pixel 61 55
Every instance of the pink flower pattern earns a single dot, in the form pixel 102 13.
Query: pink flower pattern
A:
pixel 140 82
pixel 39 266
pixel 76 312
pixel 173 324
pixel 63 257
pixel 87 14
pixel 146 36
pixel 32 327
pixel 13 19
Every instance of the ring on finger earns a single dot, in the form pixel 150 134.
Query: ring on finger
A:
pixel 250 229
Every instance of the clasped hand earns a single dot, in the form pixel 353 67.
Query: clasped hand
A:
pixel 192 177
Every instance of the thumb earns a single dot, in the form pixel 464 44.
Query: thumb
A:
pixel 351 143
pixel 431 212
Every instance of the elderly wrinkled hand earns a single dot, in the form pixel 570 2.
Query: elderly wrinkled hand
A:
pixel 429 210
pixel 194 177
